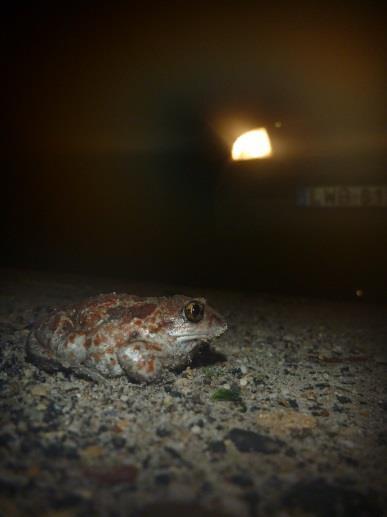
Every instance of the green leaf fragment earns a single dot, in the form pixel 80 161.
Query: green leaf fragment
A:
pixel 226 394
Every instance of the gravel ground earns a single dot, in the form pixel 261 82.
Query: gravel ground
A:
pixel 285 416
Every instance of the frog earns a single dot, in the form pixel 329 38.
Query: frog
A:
pixel 117 334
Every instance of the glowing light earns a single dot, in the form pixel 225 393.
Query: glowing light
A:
pixel 252 145
pixel 359 293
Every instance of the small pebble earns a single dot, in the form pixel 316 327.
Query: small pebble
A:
pixel 168 401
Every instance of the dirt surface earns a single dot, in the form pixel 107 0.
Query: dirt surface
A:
pixel 285 417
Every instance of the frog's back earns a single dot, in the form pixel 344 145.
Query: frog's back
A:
pixel 93 311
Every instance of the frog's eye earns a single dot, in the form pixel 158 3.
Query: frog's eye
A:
pixel 194 311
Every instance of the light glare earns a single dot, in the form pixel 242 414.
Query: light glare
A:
pixel 252 145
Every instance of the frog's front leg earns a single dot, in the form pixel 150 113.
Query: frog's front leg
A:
pixel 141 360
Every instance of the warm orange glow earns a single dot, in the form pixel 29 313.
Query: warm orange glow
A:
pixel 251 145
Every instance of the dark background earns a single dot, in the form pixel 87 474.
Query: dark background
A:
pixel 117 128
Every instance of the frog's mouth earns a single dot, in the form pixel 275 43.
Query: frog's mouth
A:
pixel 197 338
pixel 192 338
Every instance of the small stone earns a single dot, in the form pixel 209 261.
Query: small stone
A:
pixel 118 474
pixel 348 443
pixel 242 480
pixel 188 372
pixel 121 425
pixel 15 480
pixel 244 381
pixel 249 441
pixel 343 400
pixel 196 429
pixel 118 442
pixel 162 432
pixel 284 421
pixel 162 479
pixel 318 497
pixel 84 493
pixel 168 401
pixel 40 390
pixel 217 446
pixel 33 471
pixel 92 452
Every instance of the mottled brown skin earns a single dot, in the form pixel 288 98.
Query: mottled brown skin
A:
pixel 119 334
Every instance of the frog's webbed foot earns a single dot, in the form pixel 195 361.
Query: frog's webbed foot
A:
pixel 141 361
pixel 89 374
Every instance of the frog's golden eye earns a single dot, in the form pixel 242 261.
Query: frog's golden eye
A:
pixel 194 311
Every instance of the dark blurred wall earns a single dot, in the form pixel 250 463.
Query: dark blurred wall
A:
pixel 114 159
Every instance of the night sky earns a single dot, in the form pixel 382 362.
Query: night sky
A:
pixel 117 127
